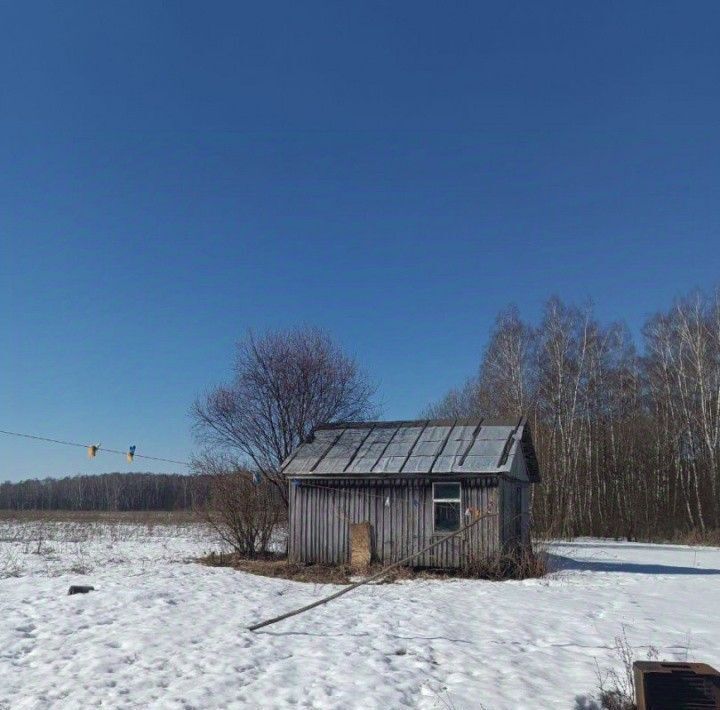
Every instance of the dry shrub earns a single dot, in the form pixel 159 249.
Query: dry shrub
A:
pixel 698 537
pixel 10 566
pixel 241 510
pixel 515 563
pixel 273 564
pixel 616 689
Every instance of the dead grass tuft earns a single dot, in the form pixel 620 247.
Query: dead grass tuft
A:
pixel 524 565
pixel 276 565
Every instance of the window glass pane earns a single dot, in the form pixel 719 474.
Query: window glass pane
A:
pixel 447 490
pixel 447 517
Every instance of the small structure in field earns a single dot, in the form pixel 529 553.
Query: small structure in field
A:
pixel 411 483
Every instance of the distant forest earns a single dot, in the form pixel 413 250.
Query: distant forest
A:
pixel 106 492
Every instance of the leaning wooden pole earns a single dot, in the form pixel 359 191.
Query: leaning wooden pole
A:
pixel 380 574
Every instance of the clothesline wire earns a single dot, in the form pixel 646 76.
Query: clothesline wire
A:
pixel 85 446
pixel 387 499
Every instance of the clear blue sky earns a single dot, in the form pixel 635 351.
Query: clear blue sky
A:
pixel 172 174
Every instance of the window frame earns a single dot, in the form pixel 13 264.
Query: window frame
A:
pixel 457 500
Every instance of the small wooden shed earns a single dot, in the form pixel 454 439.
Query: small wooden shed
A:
pixel 413 482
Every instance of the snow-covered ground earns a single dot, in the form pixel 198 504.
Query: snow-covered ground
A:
pixel 160 632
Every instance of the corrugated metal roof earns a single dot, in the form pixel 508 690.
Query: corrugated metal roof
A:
pixel 414 447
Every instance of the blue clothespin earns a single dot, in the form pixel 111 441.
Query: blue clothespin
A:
pixel 256 477
pixel 130 454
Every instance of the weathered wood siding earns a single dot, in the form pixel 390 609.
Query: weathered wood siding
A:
pixel 321 512
pixel 514 512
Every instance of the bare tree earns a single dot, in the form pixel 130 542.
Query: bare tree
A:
pixel 629 443
pixel 459 402
pixel 241 508
pixel 285 384
pixel 505 386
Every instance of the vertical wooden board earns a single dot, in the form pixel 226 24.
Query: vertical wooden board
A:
pixel 305 525
pixel 470 501
pixel 341 524
pixel 325 521
pixel 387 521
pixel 377 517
pixel 345 552
pixel 332 526
pixel 291 509
pixel 315 522
pixel 331 514
pixel 396 522
pixel 428 522
pixel 385 518
pixel 298 524
pixel 405 522
pixel 291 521
pixel 321 523
pixel 494 506
pixel 415 522
pixel 422 532
pixel 310 523
pixel 380 527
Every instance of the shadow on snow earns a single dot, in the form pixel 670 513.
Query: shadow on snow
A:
pixel 559 562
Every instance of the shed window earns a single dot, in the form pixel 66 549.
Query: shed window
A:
pixel 446 507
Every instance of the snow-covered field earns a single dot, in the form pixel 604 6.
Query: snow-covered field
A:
pixel 160 632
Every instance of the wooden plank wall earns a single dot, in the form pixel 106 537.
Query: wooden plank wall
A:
pixel 322 511
pixel 509 512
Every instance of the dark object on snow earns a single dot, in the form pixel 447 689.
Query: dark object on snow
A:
pixel 80 589
pixel 676 686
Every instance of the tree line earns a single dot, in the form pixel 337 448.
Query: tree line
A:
pixel 627 437
pixel 107 492
pixel 627 434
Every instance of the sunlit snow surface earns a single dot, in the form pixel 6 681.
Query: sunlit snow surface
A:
pixel 160 632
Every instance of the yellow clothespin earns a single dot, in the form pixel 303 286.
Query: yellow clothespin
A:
pixel 130 454
pixel 92 450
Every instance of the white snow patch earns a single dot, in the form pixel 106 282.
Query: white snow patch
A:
pixel 159 632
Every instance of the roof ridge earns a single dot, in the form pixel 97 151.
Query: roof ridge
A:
pixel 396 423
